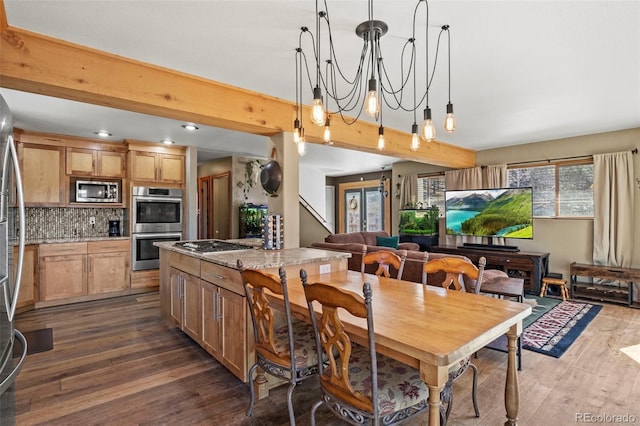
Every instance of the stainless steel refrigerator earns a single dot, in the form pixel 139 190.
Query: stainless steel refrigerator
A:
pixel 11 249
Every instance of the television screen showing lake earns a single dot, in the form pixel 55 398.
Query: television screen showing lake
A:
pixel 506 212
pixel 455 219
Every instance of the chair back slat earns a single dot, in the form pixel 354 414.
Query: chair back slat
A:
pixel 384 259
pixel 264 317
pixel 454 268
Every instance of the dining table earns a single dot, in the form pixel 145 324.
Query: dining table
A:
pixel 426 327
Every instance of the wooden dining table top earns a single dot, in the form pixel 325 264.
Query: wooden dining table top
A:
pixel 417 323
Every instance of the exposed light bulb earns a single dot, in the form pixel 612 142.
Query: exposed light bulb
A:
pixel 450 120
pixel 302 149
pixel 427 129
pixel 318 115
pixel 380 138
pixel 415 139
pixel 326 135
pixel 371 102
pixel 296 131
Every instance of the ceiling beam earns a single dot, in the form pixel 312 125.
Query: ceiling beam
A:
pixel 44 65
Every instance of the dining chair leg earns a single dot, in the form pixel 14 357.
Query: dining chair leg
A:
pixel 292 416
pixel 313 412
pixel 251 390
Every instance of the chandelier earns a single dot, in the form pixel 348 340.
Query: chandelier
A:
pixel 338 94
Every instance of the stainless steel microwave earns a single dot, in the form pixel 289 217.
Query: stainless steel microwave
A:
pixel 97 192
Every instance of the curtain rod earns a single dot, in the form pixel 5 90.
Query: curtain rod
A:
pixel 633 151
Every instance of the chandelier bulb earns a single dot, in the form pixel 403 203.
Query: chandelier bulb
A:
pixel 450 120
pixel 318 114
pixel 296 131
pixel 302 148
pixel 427 129
pixel 326 136
pixel 371 102
pixel 381 142
pixel 415 139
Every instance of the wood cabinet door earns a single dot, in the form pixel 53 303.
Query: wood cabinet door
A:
pixel 192 317
pixel 63 276
pixel 175 281
pixel 29 282
pixel 111 164
pixel 144 166
pixel 233 331
pixel 42 170
pixel 81 162
pixel 108 272
pixel 210 323
pixel 171 168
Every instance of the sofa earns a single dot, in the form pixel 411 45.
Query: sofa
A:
pixel 359 243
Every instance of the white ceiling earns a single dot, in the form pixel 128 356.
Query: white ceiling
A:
pixel 521 71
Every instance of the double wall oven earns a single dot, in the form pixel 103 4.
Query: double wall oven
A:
pixel 156 217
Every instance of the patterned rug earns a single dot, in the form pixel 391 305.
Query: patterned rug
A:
pixel 554 331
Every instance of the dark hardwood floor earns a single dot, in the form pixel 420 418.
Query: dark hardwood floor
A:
pixel 115 362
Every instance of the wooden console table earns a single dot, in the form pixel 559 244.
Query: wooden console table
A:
pixel 621 293
pixel 530 266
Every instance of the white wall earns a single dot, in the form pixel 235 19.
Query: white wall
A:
pixel 312 188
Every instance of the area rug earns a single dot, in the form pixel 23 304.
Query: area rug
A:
pixel 554 331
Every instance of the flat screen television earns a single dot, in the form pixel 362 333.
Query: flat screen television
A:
pixel 500 212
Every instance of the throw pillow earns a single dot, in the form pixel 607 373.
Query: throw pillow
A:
pixel 388 241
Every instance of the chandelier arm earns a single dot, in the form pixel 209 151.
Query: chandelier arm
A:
pixel 405 79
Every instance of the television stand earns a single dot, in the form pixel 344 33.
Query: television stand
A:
pixel 528 265
pixel 512 249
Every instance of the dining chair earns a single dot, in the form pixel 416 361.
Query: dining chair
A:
pixel 454 268
pixel 286 351
pixel 384 259
pixel 358 384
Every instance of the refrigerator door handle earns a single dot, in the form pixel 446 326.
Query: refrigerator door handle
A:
pixel 10 379
pixel 11 308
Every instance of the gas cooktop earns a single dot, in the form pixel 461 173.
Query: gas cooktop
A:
pixel 206 246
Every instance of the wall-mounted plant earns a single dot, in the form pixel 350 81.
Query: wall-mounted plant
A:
pixel 251 177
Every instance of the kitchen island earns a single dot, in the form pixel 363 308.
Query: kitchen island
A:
pixel 202 294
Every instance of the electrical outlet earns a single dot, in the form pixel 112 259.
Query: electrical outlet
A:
pixel 92 220
pixel 325 269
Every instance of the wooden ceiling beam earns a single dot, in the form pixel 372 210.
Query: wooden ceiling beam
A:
pixel 44 65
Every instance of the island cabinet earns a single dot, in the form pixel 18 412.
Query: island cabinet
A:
pixel 224 317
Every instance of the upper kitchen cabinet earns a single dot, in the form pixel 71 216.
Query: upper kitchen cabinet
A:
pixel 155 164
pixel 45 184
pixel 42 177
pixel 93 162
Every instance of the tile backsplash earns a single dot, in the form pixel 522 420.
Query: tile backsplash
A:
pixel 54 223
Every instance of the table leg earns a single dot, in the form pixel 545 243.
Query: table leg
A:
pixel 435 377
pixel 511 390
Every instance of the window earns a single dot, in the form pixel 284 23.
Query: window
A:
pixel 559 190
pixel 430 192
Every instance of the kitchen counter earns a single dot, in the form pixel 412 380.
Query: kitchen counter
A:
pixel 69 240
pixel 256 258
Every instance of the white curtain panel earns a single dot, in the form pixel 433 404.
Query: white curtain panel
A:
pixel 408 190
pixel 613 198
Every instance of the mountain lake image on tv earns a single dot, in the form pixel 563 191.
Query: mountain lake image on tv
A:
pixel 504 212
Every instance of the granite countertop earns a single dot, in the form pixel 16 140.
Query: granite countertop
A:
pixel 68 240
pixel 258 258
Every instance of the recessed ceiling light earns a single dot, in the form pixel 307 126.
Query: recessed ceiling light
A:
pixel 190 126
pixel 103 133
pixel 167 142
